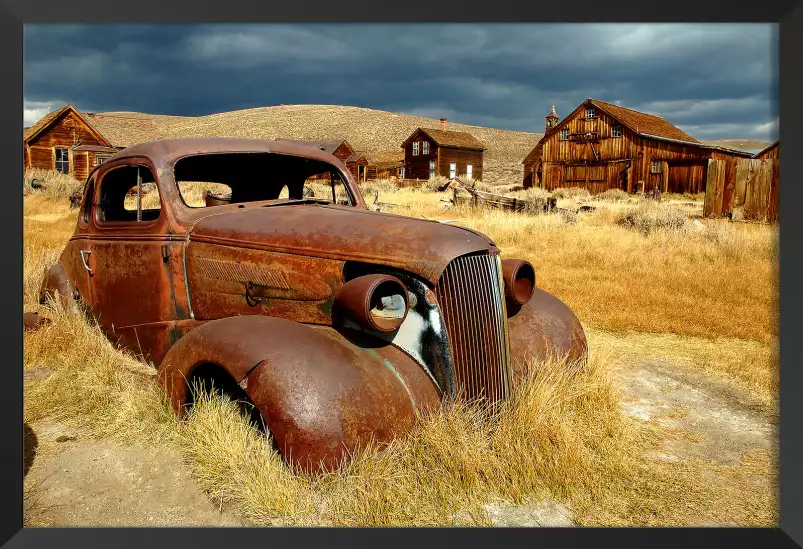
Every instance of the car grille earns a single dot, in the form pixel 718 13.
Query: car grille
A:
pixel 471 295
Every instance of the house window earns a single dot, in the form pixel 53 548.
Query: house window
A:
pixel 415 148
pixel 400 172
pixel 425 147
pixel 431 168
pixel 63 160
pixel 469 170
pixel 616 131
pixel 452 170
pixel 656 166
pixel 101 158
pixel 590 112
pixel 564 134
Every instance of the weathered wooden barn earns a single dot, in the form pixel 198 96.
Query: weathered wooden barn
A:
pixel 603 146
pixel 429 152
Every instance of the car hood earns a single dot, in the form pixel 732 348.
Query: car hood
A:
pixel 416 245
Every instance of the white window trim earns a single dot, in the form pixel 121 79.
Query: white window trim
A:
pixel 656 166
pixel 616 130
pixel 415 148
pixel 66 161
pixel 590 113
pixel 469 171
pixel 452 170
pixel 425 147
pixel 563 134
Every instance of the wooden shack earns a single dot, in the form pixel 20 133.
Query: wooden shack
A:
pixel 773 152
pixel 357 164
pixel 603 146
pixel 429 152
pixel 75 143
pixel 386 165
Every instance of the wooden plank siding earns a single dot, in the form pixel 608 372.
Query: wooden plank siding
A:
pixel 752 194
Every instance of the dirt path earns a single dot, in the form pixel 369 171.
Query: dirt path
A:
pixel 74 482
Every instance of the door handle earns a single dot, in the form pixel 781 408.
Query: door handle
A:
pixel 84 253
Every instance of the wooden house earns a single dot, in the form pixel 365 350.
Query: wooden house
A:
pixel 75 143
pixel 604 146
pixel 429 152
pixel 357 164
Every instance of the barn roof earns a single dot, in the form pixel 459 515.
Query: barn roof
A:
pixel 648 125
pixel 449 138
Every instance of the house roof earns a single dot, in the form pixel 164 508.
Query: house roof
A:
pixel 449 138
pixel 124 131
pixel 648 125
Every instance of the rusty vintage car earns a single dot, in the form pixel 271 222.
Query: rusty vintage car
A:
pixel 336 322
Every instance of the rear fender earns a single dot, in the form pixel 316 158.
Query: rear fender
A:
pixel 545 328
pixel 56 286
pixel 322 394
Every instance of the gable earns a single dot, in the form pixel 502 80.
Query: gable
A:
pixel 68 128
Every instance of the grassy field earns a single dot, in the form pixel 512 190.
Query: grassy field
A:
pixel 644 279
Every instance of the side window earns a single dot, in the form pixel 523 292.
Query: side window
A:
pixel 90 197
pixel 415 148
pixel 332 190
pixel 127 194
pixel 63 160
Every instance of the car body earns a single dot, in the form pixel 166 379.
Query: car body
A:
pixel 340 324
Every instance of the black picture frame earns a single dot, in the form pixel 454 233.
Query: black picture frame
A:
pixel 789 15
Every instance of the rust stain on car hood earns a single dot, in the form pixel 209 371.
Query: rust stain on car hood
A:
pixel 420 246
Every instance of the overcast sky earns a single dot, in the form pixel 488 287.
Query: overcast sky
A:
pixel 714 81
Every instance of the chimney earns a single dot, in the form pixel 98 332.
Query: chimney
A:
pixel 443 124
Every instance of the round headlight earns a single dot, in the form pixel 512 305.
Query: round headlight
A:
pixel 519 276
pixel 378 302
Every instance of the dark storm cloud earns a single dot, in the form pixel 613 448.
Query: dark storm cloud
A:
pixel 715 81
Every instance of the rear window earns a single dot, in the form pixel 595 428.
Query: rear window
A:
pixel 210 180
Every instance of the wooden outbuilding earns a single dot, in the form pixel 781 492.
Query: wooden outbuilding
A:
pixel 603 146
pixel 74 143
pixel 386 165
pixel 773 152
pixel 429 152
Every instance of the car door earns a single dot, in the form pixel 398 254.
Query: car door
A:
pixel 131 273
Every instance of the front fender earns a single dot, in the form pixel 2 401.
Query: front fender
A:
pixel 545 327
pixel 321 394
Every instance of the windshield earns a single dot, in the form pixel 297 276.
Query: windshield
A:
pixel 209 180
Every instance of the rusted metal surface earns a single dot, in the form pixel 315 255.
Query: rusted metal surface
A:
pixel 545 327
pixel 253 286
pixel 519 277
pixel 321 395
pixel 33 321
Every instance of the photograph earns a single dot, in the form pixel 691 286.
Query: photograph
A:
pixel 401 274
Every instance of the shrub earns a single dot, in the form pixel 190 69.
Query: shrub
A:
pixel 571 192
pixel 433 184
pixel 613 195
pixel 536 200
pixel 650 216
pixel 53 182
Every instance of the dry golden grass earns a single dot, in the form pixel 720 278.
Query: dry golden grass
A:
pixel 563 436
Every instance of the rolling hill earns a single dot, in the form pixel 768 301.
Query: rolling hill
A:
pixel 369 130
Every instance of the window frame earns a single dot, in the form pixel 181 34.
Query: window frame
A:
pixel 101 158
pixel 469 171
pixel 616 130
pixel 452 170
pixel 57 161
pixel 591 113
pixel 563 134
pixel 432 169
pixel 425 147
pixel 415 148
pixel 656 166
pixel 96 206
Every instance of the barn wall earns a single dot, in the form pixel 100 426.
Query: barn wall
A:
pixel 461 157
pixel 42 157
pixel 771 154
